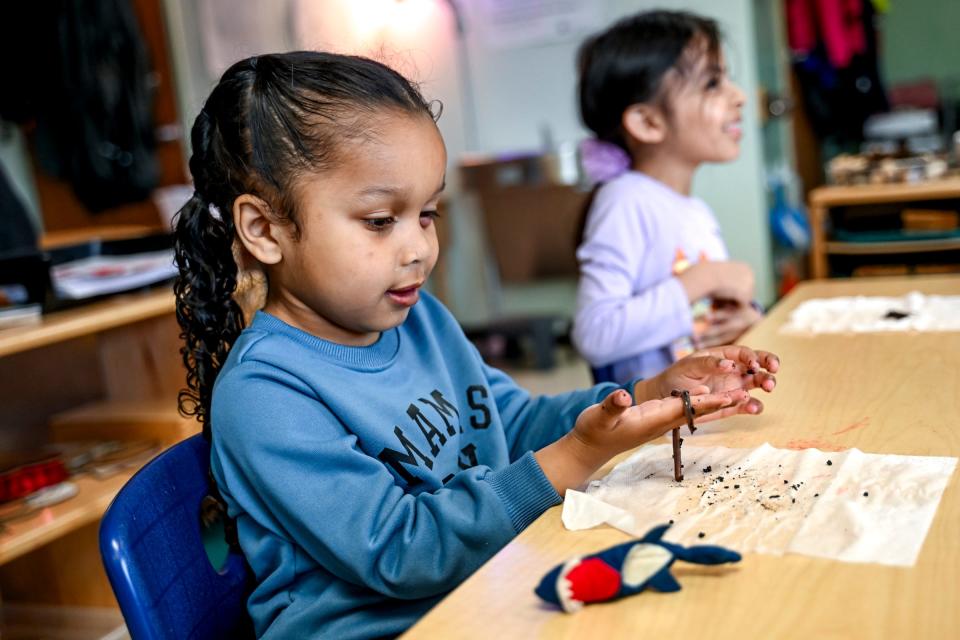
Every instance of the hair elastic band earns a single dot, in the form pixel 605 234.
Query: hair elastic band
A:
pixel 602 161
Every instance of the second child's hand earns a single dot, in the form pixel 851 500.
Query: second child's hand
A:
pixel 727 324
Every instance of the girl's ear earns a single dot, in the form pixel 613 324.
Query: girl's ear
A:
pixel 259 235
pixel 644 123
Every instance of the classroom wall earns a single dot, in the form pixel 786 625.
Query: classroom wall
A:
pixel 521 96
pixel 522 93
pixel 919 39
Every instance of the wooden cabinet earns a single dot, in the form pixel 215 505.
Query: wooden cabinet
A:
pixel 856 229
pixel 110 369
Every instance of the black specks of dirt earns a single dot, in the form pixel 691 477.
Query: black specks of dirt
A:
pixel 671 522
pixel 893 314
pixel 816 495
pixel 701 534
pixel 784 482
pixel 736 486
pixel 866 493
pixel 707 469
pixel 774 496
pixel 829 463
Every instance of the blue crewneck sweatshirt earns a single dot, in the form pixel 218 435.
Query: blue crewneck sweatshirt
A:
pixel 367 482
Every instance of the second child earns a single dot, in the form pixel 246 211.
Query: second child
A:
pixel 656 281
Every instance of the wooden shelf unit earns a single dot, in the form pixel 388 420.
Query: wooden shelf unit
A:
pixel 22 536
pixel 84 368
pixel 96 317
pixel 902 246
pixel 110 369
pixel 824 199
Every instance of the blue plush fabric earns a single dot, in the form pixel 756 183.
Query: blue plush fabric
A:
pixel 659 579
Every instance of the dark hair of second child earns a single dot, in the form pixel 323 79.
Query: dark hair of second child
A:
pixel 628 64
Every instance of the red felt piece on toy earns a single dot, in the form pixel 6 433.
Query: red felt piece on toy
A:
pixel 593 580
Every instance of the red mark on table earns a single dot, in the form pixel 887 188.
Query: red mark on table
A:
pixel 814 444
pixel 863 422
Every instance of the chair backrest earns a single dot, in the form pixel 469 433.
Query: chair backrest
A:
pixel 152 549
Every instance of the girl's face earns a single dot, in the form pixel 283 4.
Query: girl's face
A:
pixel 704 116
pixel 368 240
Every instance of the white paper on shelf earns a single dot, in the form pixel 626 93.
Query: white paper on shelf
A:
pixel 99 275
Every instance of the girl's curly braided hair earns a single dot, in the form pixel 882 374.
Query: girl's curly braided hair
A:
pixel 270 119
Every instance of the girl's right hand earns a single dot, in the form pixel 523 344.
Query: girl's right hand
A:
pixel 615 425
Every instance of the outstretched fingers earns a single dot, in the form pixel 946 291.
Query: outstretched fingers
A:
pixel 746 359
pixel 707 406
pixel 750 406
pixel 607 413
pixel 761 380
pixel 769 361
pixel 667 413
pixel 616 403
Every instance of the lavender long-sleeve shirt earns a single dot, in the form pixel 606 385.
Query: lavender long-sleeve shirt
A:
pixel 630 306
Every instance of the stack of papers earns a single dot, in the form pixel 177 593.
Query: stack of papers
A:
pixel 873 314
pixel 100 275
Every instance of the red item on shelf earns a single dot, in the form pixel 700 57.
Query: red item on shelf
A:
pixel 27 478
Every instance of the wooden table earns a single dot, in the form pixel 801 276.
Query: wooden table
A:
pixel 900 391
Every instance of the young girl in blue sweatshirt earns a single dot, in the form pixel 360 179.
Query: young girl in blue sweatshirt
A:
pixel 369 457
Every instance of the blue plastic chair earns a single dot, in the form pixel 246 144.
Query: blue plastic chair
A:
pixel 152 549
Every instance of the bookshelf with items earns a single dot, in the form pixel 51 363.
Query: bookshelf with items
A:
pixel 94 377
pixel 100 377
pixel 885 229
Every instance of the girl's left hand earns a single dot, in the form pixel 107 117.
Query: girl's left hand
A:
pixel 718 370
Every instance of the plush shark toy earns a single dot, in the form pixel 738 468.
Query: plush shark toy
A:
pixel 624 570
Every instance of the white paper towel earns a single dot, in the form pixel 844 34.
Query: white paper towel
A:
pixel 852 506
pixel 862 314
